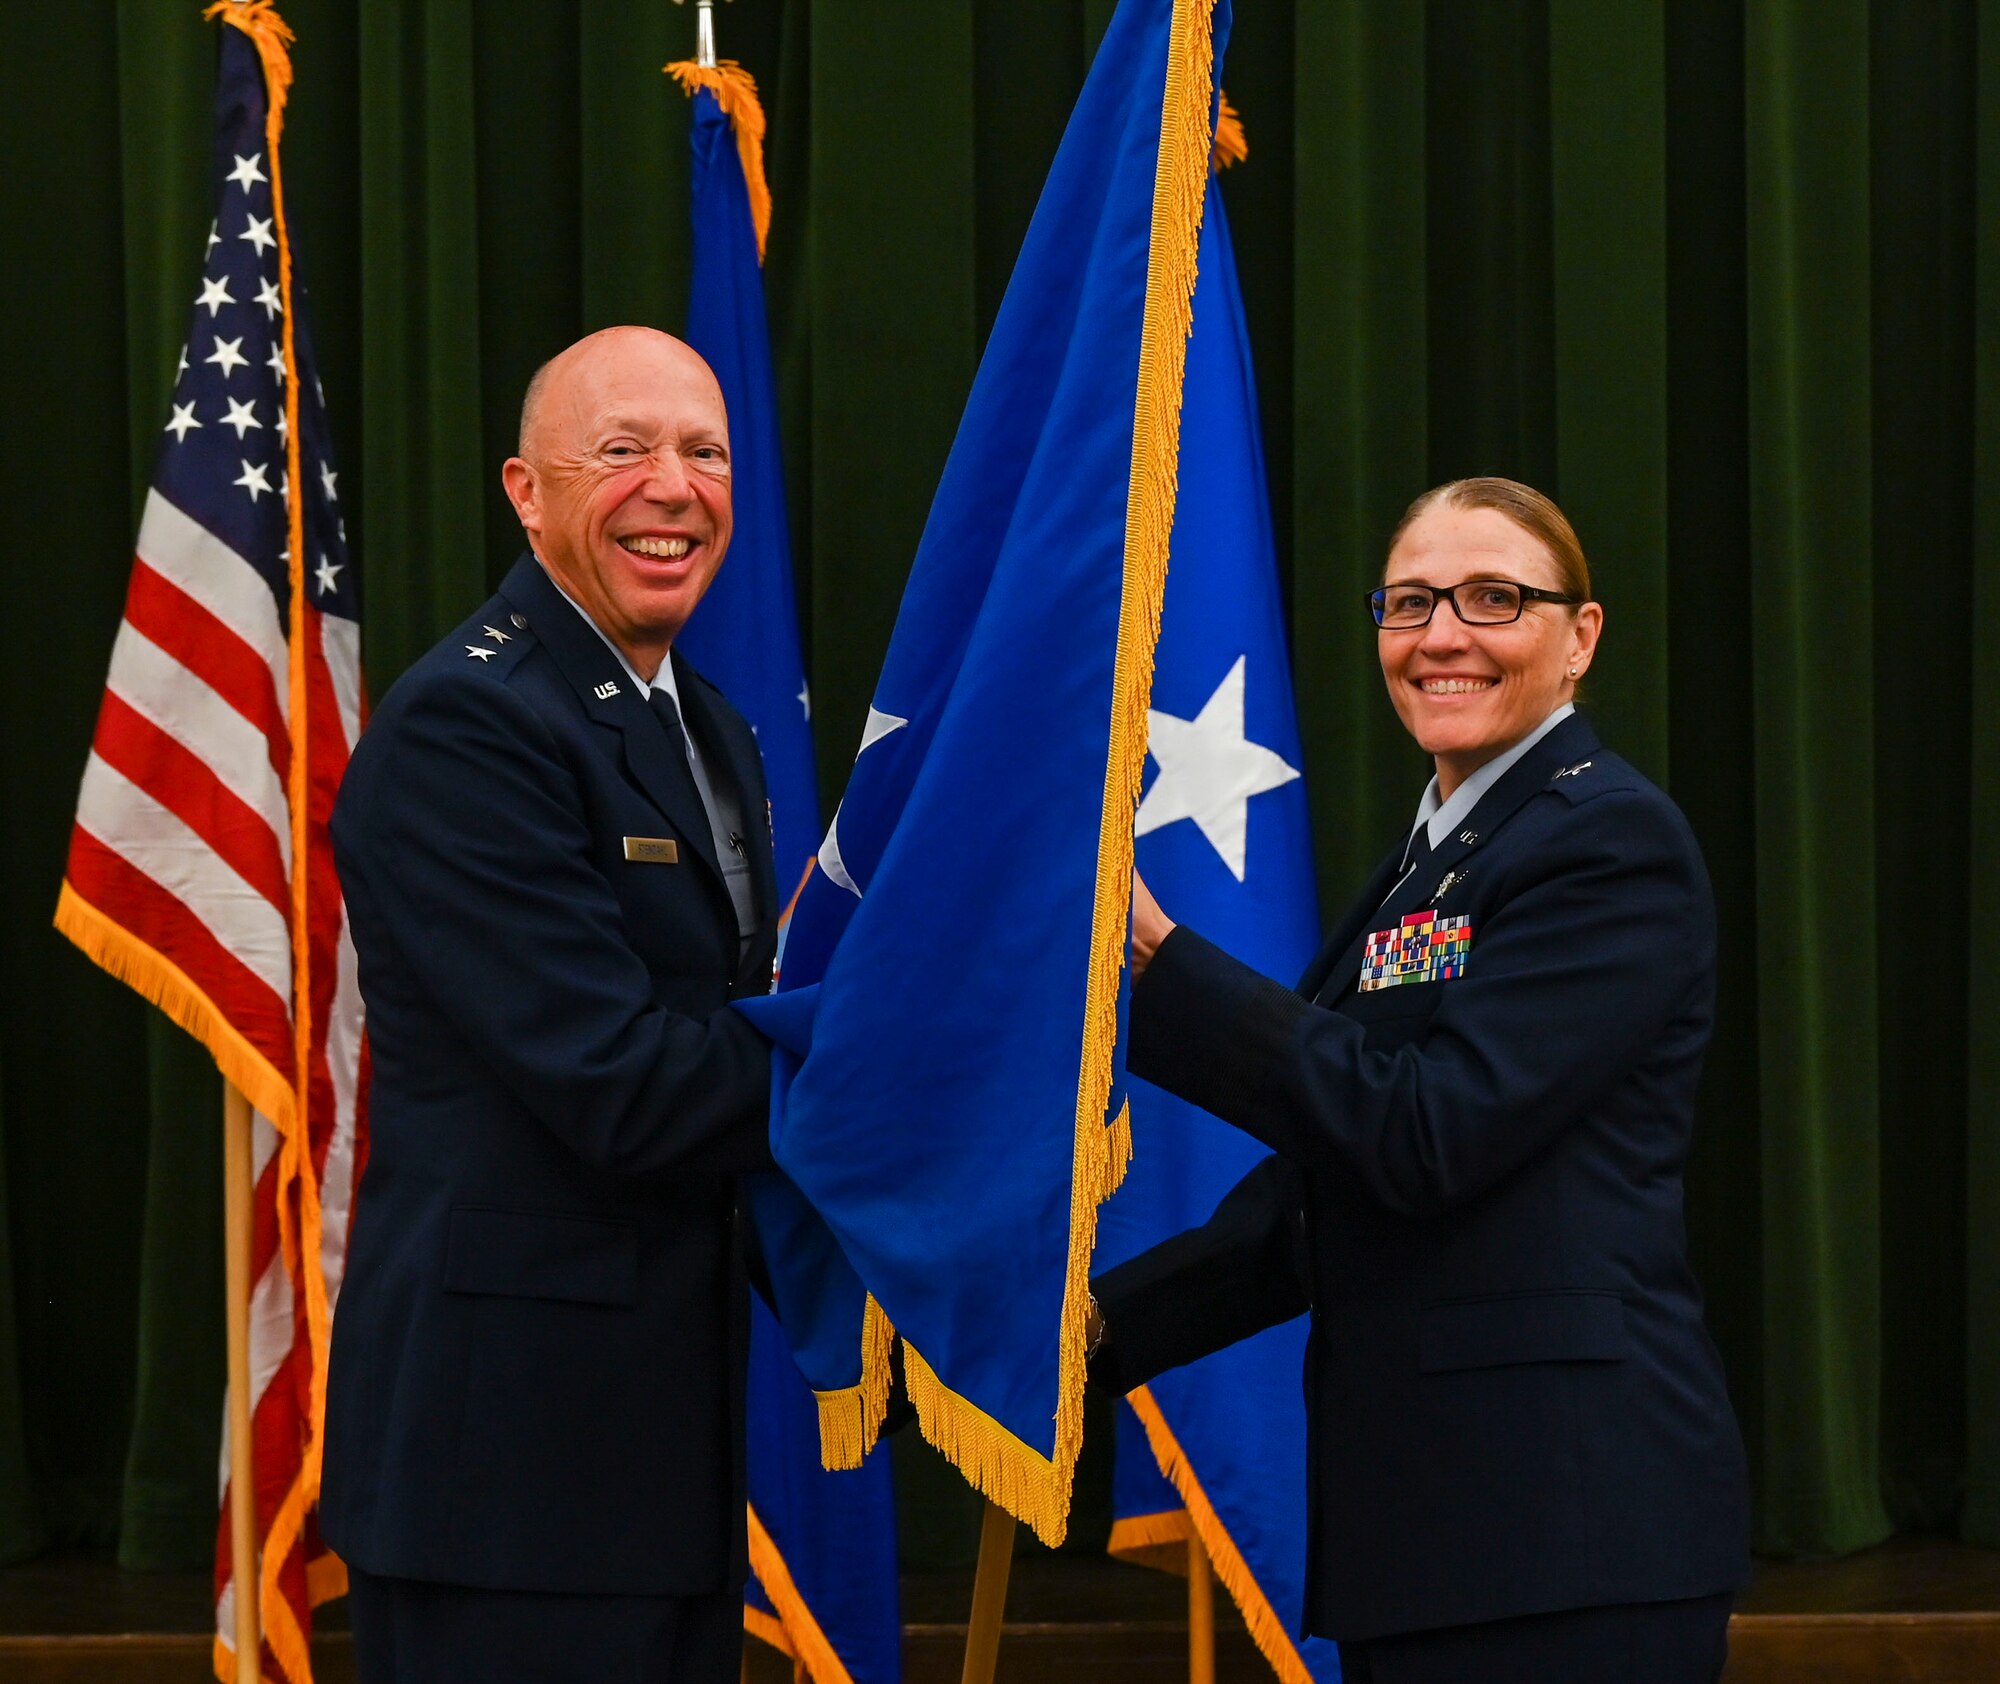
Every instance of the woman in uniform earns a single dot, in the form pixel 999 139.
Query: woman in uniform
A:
pixel 1522 1459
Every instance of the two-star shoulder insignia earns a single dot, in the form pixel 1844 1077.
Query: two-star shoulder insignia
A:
pixel 497 634
pixel 478 653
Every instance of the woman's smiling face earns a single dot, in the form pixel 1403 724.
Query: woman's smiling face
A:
pixel 1467 693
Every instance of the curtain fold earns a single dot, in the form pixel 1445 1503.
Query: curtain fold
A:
pixel 1720 274
pixel 892 325
pixel 1981 1518
pixel 1360 425
pixel 424 469
pixel 1807 131
pixel 1607 159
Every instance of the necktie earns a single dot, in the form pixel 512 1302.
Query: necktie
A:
pixel 1416 855
pixel 661 701
pixel 724 815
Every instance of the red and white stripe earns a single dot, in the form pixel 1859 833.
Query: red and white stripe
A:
pixel 183 842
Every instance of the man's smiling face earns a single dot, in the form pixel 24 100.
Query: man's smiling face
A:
pixel 623 483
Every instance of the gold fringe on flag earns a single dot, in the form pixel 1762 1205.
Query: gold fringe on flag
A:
pixel 1231 145
pixel 735 90
pixel 1032 1487
pixel 850 1420
pixel 151 974
pixel 1267 1631
pixel 1158 1541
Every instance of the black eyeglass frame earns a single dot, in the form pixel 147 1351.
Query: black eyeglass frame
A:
pixel 1449 593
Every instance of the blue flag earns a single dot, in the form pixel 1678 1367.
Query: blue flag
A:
pixel 822 1544
pixel 1225 841
pixel 951 1112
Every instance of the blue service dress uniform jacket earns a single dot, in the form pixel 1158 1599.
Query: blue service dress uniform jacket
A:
pixel 538 1361
pixel 1513 1406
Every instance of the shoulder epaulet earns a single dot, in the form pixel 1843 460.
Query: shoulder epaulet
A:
pixel 493 640
pixel 1593 775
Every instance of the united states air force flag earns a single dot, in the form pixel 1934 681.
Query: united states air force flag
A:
pixel 953 1109
pixel 1225 843
pixel 822 1543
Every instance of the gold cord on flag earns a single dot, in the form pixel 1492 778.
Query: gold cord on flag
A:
pixel 798 1633
pixel 735 90
pixel 297 1191
pixel 1267 1631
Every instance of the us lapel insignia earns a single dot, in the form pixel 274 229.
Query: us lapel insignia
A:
pixel 1422 948
pixel 605 691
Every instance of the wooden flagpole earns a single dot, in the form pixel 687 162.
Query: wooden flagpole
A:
pixel 1201 1613
pixel 237 1224
pixel 989 1596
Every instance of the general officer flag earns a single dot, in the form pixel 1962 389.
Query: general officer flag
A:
pixel 822 1543
pixel 955 971
pixel 200 870
pixel 1224 842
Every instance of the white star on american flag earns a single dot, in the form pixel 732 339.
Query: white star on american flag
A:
pixel 258 233
pixel 246 170
pixel 183 422
pixel 242 416
pixel 326 479
pixel 275 362
pixel 252 479
pixel 214 294
pixel 325 573
pixel 228 355
pixel 267 295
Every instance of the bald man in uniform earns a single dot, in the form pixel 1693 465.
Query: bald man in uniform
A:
pixel 554 844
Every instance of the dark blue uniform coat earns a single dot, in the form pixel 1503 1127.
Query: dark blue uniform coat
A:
pixel 1513 1404
pixel 538 1355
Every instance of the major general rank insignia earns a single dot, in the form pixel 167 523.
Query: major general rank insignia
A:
pixel 1422 948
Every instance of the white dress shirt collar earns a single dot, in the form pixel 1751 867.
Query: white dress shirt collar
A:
pixel 664 677
pixel 1445 816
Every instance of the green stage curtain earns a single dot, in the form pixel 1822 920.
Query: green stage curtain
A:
pixel 1722 277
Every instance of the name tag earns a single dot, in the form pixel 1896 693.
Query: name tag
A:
pixel 653 850
pixel 1422 948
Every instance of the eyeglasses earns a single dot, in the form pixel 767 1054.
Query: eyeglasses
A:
pixel 1487 602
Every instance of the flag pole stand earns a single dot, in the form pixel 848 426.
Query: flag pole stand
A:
pixel 243 1566
pixel 989 1596
pixel 1201 1614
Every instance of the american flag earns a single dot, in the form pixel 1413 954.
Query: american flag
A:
pixel 199 869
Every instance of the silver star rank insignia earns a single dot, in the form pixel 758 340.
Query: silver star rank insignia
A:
pixel 477 653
